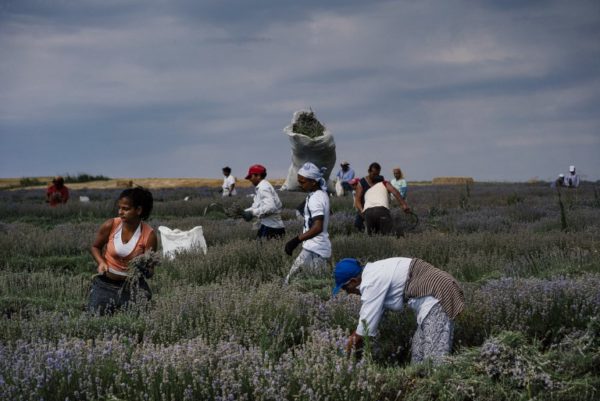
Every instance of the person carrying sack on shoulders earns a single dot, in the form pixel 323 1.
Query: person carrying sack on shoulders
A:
pixel 316 247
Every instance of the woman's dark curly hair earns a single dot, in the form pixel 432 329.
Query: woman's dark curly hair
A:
pixel 139 196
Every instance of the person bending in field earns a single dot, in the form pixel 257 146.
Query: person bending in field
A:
pixel 434 295
pixel 316 247
pixel 266 205
pixel 376 207
pixel 57 193
pixel 118 241
pixel 364 184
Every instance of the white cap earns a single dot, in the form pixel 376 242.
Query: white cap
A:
pixel 561 175
pixel 571 168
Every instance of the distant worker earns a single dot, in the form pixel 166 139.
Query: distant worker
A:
pixel 399 182
pixel 118 241
pixel 572 180
pixel 376 209
pixel 228 182
pixel 57 193
pixel 559 182
pixel 266 205
pixel 359 193
pixel 316 247
pixel 344 176
pixel 376 212
pixel 434 295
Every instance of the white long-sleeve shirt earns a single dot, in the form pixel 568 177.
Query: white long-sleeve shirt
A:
pixel 382 287
pixel 266 205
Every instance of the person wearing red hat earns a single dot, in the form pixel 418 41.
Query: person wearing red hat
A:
pixel 266 205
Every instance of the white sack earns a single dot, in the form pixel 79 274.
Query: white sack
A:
pixel 339 189
pixel 320 151
pixel 84 199
pixel 174 241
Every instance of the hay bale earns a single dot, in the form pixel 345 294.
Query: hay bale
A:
pixel 452 181
pixel 307 124
pixel 124 183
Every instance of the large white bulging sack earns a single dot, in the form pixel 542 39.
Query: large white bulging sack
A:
pixel 319 150
pixel 176 240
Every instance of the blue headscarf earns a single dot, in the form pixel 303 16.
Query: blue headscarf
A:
pixel 312 172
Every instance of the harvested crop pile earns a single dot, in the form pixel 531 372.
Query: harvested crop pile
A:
pixel 307 124
pixel 452 180
pixel 311 142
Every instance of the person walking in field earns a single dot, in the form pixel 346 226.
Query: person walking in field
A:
pixel 266 205
pixel 316 247
pixel 57 193
pixel 118 241
pixel 434 295
pixel 228 183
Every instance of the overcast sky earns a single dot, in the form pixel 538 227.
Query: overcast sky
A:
pixel 496 90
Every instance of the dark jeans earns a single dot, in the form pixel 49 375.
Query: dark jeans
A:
pixel 359 222
pixel 269 232
pixel 108 295
pixel 347 187
pixel 379 220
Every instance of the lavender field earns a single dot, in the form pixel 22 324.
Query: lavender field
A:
pixel 221 326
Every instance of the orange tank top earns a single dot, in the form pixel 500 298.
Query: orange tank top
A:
pixel 142 245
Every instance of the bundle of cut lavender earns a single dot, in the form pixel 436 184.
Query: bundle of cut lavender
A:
pixel 144 264
pixel 307 124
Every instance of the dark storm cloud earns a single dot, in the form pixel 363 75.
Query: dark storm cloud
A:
pixel 506 91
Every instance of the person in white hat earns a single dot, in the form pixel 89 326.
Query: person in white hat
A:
pixel 345 175
pixel 572 180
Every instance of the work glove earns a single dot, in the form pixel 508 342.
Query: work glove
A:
pixel 247 216
pixel 291 245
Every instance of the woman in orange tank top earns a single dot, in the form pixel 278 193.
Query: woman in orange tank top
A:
pixel 118 241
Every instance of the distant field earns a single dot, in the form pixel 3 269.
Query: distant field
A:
pixel 15 183
pixel 145 182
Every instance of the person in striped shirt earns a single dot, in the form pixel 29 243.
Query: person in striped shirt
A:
pixel 434 295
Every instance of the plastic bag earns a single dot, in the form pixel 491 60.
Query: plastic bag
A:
pixel 319 150
pixel 176 240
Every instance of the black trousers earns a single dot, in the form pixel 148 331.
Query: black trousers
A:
pixel 379 220
pixel 269 232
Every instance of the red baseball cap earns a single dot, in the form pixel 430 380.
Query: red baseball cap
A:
pixel 256 169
